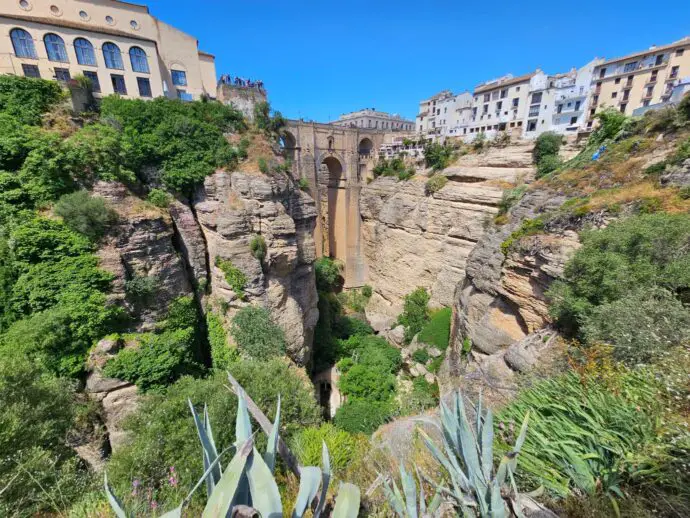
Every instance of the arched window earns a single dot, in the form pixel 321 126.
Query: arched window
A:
pixel 55 47
pixel 23 44
pixel 85 52
pixel 137 57
pixel 112 56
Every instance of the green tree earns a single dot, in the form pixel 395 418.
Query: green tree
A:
pixel 547 144
pixel 256 334
pixel 85 214
pixel 415 313
pixel 28 99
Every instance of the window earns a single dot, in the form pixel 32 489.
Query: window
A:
pixel 559 109
pixel 93 77
pixel 144 87
pixel 679 52
pixel 112 56
pixel 485 109
pixel 614 95
pixel 629 67
pixel 533 111
pixel 577 105
pixel 516 101
pixel 659 60
pixel 499 105
pixel 531 125
pixel 31 71
pixel 110 20
pixel 83 15
pixel 674 72
pixel 623 107
pixel 653 77
pixel 179 77
pixel 618 80
pixel 487 98
pixel 55 47
pixel 573 120
pixel 140 64
pixel 536 98
pixel 645 103
pixel 85 52
pixel 517 89
pixel 23 44
pixel 650 91
pixel 62 74
pixel 504 93
pixel 119 84
pixel 602 72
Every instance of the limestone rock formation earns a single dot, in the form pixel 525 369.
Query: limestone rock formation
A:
pixel 231 209
pixel 411 238
pixel 141 246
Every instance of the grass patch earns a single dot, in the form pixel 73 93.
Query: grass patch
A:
pixel 437 331
pixel 529 227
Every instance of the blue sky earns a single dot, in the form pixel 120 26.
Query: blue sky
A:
pixel 321 58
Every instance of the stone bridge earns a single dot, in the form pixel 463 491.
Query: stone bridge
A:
pixel 335 161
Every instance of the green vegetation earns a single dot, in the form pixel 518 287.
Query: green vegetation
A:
pixel 268 121
pixel 435 183
pixel 159 198
pixel 393 167
pixel 635 270
pixel 303 184
pixel 222 354
pixel 437 331
pixel 256 335
pixel 327 272
pixel 545 153
pixel 344 447
pixel 85 214
pixel 164 436
pixel 415 313
pixel 529 227
pixel 421 356
pixel 363 416
pixel 438 156
pixel 258 247
pixel 28 99
pixel 548 164
pixel 356 299
pixel 235 277
pixel 141 289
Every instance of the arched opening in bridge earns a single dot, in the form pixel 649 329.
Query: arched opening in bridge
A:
pixel 336 209
pixel 365 147
pixel 288 145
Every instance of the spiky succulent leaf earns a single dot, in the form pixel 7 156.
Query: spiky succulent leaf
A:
pixel 272 446
pixel 487 445
pixel 243 426
pixel 325 479
pixel 347 502
pixel 410 490
pixel 223 496
pixel 263 488
pixel 208 448
pixel 310 478
pixel 115 504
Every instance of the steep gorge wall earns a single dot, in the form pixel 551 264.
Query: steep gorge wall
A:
pixel 411 238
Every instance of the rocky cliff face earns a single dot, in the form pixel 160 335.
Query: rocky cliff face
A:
pixel 231 209
pixel 411 238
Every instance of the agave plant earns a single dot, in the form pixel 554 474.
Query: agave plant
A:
pixel 246 487
pixel 476 488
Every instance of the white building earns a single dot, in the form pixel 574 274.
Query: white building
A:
pixel 445 114
pixel 369 118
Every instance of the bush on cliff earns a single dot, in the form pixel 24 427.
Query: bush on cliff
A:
pixel 163 434
pixel 438 156
pixel 85 214
pixel 257 336
pixel 28 99
pixel 547 144
pixel 415 313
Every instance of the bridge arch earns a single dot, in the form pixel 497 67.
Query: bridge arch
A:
pixel 365 146
pixel 288 145
pixel 333 206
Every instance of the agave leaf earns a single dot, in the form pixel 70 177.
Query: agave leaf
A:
pixel 208 448
pixel 479 414
pixel 175 513
pixel 422 496
pixel 519 442
pixel 308 487
pixel 449 462
pixel 497 508
pixel 270 455
pixel 243 427
pixel 470 453
pixel 221 500
pixel 263 488
pixel 410 489
pixel 394 500
pixel 209 433
pixel 325 479
pixel 435 502
pixel 204 476
pixel 112 499
pixel 516 508
pixel 347 503
pixel 487 438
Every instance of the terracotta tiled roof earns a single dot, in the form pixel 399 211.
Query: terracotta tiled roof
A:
pixel 75 25
pixel 679 43
pixel 501 84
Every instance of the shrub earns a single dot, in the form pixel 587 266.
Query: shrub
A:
pixel 415 313
pixel 263 165
pixel 548 164
pixel 27 99
pixel 547 144
pixel 639 252
pixel 159 198
pixel 438 156
pixel 684 108
pixel 38 469
pixel 435 364
pixel 235 278
pixel 435 183
pixel 421 356
pixel 510 197
pixel 256 335
pixel 303 184
pixel 366 382
pixel 611 121
pixel 424 395
pixel 367 291
pixel 222 354
pixel 343 446
pixel 327 272
pixel 479 141
pixel 641 326
pixel 157 361
pixel 529 227
pixel 437 331
pixel 258 247
pixel 140 289
pixel 163 434
pixel 271 124
pixel 183 313
pixel 85 214
pixel 345 327
pixel 354 299
pixel 376 353
pixel 360 416
pixel 394 167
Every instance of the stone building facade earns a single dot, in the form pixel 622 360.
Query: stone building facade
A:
pixel 369 118
pixel 119 46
